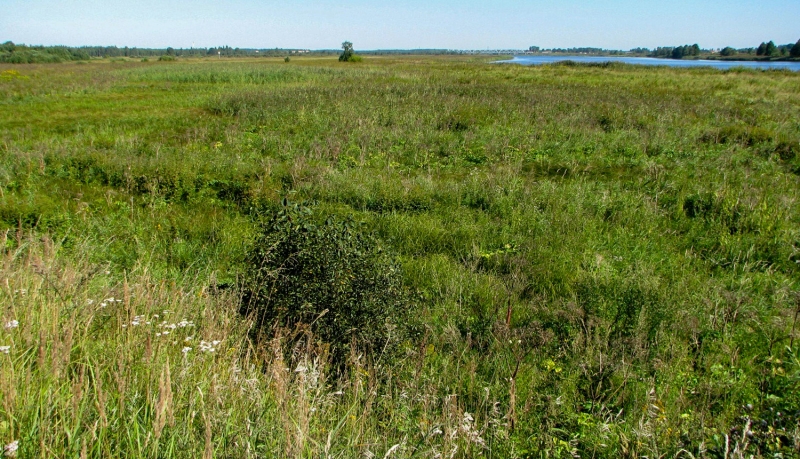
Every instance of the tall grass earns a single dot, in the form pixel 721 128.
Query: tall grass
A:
pixel 604 260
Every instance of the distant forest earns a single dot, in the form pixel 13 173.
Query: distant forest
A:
pixel 765 50
pixel 24 54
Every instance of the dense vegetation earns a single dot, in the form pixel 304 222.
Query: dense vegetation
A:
pixel 21 54
pixel 594 260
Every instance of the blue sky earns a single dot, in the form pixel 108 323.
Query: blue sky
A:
pixel 459 24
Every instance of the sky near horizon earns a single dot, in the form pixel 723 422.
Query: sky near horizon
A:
pixel 400 24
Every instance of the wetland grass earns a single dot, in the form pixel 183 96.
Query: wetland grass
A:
pixel 603 261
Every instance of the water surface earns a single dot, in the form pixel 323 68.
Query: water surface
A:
pixel 540 59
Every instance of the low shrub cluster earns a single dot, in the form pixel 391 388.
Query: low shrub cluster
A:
pixel 326 278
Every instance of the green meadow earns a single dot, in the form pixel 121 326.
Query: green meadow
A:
pixel 490 260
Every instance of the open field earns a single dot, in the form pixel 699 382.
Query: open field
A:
pixel 599 260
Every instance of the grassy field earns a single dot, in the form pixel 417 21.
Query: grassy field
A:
pixel 599 260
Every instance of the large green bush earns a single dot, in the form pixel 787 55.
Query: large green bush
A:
pixel 326 278
pixel 22 54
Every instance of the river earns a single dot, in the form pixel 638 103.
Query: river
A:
pixel 540 59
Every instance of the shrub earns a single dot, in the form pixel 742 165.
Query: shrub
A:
pixel 167 58
pixel 329 279
pixel 787 151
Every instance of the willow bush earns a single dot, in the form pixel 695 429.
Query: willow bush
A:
pixel 327 278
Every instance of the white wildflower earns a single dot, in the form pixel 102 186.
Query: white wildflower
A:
pixel 186 349
pixel 188 339
pixel 11 324
pixel 10 450
pixel 5 349
pixel 207 346
pixel 90 302
pixel 469 430
pixel 391 451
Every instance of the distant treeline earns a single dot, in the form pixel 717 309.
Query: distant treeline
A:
pixel 584 50
pixel 766 50
pixel 23 54
pixel 381 52
pixel 678 52
pixel 769 49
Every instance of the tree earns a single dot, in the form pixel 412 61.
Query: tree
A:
pixel 762 49
pixel 683 51
pixel 795 52
pixel 727 51
pixel 347 53
pixel 771 49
